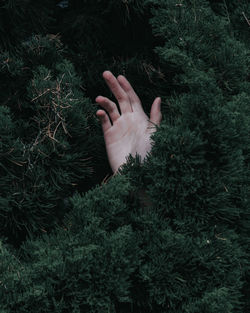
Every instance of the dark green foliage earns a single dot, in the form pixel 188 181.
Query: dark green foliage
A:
pixel 168 235
pixel 109 256
pixel 48 147
pixel 20 18
pixel 84 265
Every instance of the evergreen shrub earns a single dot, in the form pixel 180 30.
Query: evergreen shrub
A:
pixel 170 234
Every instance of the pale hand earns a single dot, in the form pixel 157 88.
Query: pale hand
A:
pixel 130 131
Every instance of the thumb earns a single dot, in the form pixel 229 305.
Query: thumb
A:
pixel 155 113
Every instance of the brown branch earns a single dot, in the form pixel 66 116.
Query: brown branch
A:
pixel 40 95
pixel 248 22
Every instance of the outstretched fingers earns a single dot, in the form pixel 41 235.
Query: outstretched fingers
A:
pixel 118 92
pixel 155 113
pixel 134 99
pixel 109 106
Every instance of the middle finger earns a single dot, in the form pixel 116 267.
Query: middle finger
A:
pixel 118 92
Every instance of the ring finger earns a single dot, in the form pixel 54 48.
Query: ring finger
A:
pixel 109 106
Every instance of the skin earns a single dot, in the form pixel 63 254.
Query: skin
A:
pixel 128 132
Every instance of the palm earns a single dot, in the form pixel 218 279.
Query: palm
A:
pixel 130 131
pixel 125 137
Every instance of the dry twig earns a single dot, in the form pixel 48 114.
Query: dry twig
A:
pixel 248 22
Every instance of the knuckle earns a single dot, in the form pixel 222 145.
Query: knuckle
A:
pixel 111 107
pixel 123 98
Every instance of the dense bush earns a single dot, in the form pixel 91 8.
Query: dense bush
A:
pixel 171 234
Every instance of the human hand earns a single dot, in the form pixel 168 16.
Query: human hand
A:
pixel 130 131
